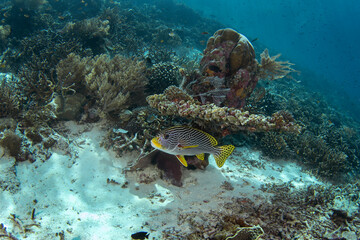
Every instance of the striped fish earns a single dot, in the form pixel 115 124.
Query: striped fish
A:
pixel 186 141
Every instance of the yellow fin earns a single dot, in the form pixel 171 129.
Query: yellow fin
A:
pixel 193 146
pixel 224 153
pixel 201 156
pixel 182 160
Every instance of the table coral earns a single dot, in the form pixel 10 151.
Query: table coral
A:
pixel 176 102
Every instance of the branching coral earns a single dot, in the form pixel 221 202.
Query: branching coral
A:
pixel 176 102
pixel 36 87
pixel 91 32
pixel 9 103
pixel 42 50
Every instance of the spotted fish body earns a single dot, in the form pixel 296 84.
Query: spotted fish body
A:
pixel 186 141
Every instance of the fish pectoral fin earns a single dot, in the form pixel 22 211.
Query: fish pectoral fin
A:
pixel 201 156
pixel 182 160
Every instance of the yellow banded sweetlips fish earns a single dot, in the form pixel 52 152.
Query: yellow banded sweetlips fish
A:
pixel 186 141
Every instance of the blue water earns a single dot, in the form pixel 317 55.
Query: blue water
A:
pixel 321 37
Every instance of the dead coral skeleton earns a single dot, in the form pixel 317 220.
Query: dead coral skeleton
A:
pixel 5 234
pixel 249 233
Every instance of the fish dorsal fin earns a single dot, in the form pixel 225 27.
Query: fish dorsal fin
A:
pixel 212 140
pixel 201 156
pixel 182 160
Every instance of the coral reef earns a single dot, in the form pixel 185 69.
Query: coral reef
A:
pixel 229 71
pixel 71 72
pixel 167 36
pixel 5 31
pixel 37 88
pixel 29 4
pixel 9 103
pixel 161 76
pixel 327 146
pixel 176 102
pixel 274 145
pixel 42 50
pixel 91 32
pixel 289 212
pixel 115 84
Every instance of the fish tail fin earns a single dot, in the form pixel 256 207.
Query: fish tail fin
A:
pixel 222 154
pixel 147 236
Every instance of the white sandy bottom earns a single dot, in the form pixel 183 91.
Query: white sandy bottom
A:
pixel 72 193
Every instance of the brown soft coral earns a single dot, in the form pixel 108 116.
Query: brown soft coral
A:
pixel 272 69
pixel 71 72
pixel 114 83
pixel 117 83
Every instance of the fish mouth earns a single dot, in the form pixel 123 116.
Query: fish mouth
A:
pixel 155 143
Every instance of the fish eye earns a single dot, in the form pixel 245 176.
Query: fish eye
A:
pixel 166 136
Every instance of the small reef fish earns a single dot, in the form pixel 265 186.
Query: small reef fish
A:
pixel 204 33
pixel 140 235
pixel 186 141
pixel 171 34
